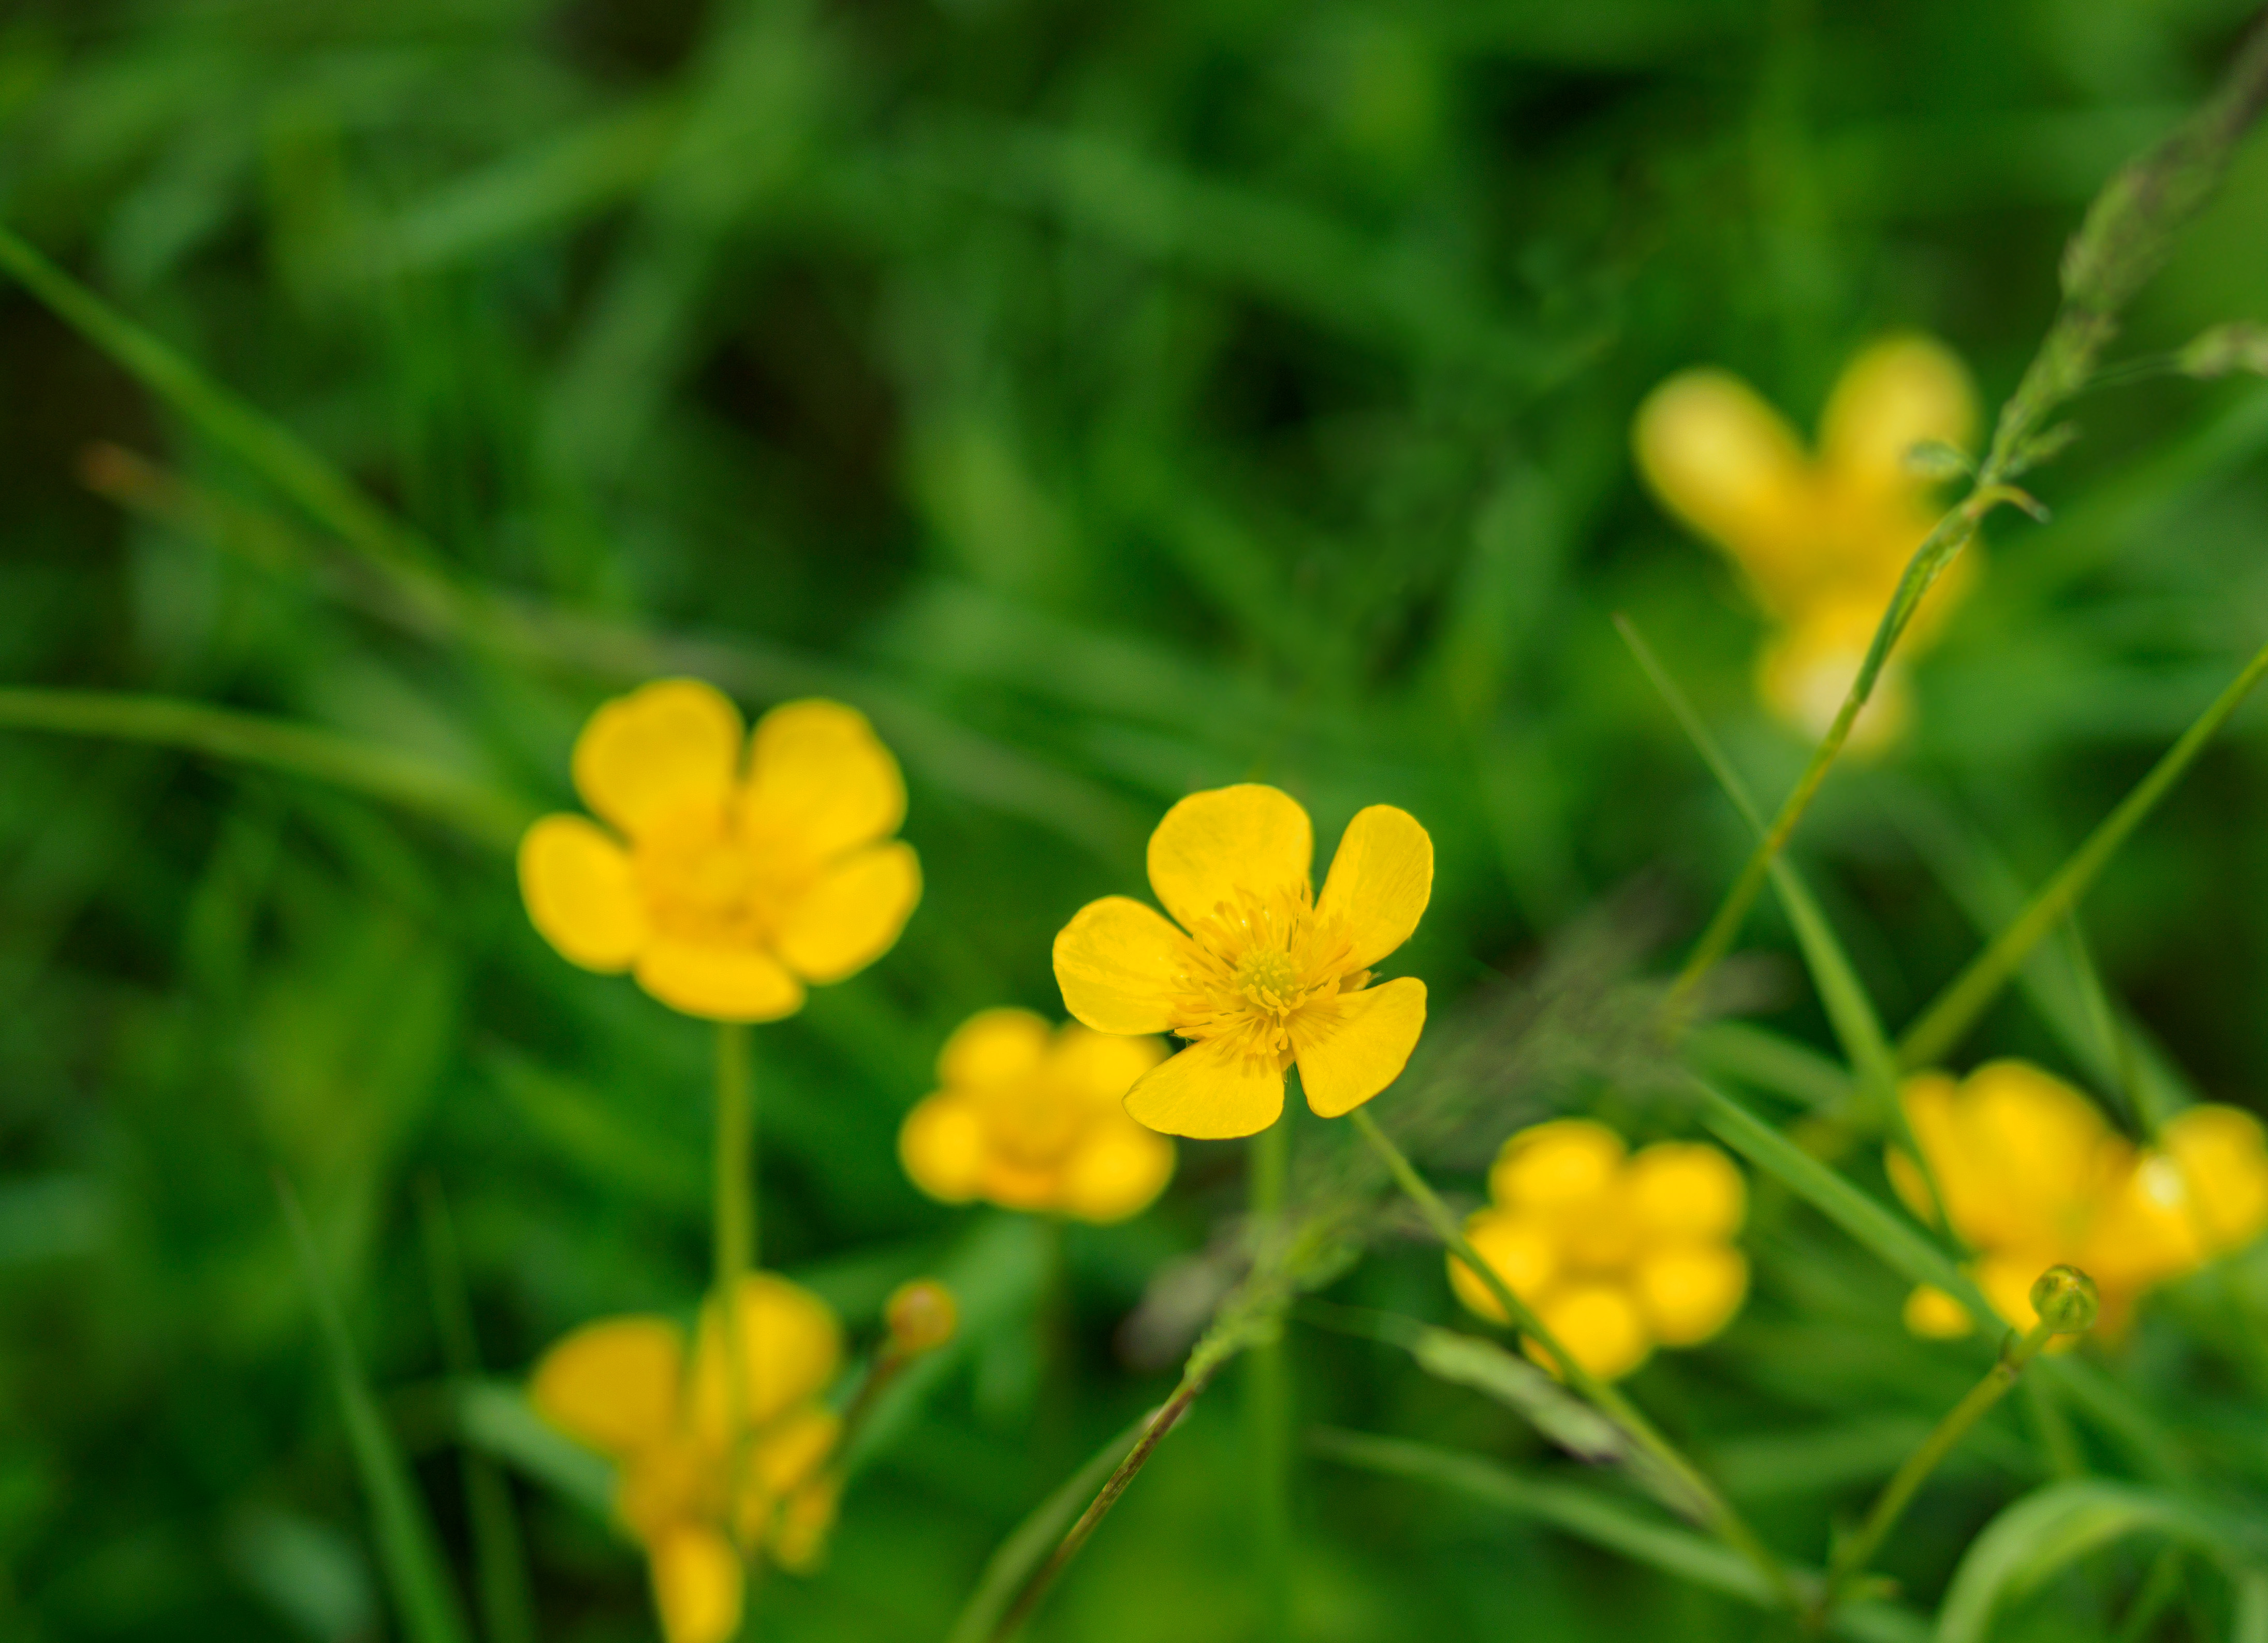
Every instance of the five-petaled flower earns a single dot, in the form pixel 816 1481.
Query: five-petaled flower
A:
pixel 1263 972
pixel 623 1387
pixel 1032 1117
pixel 2031 1175
pixel 731 880
pixel 1615 1253
pixel 1822 540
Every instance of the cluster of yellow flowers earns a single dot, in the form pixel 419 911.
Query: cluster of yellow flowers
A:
pixel 734 877
pixel 1822 540
pixel 1616 1253
pixel 2030 1174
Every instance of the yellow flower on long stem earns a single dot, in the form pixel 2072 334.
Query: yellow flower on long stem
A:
pixel 1616 1254
pixel 2030 1176
pixel 1262 973
pixel 1032 1117
pixel 623 1387
pixel 1820 540
pixel 738 868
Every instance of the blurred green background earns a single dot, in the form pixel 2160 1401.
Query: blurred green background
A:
pixel 1112 401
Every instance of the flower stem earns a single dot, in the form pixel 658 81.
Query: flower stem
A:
pixel 1714 1510
pixel 1193 1382
pixel 736 1237
pixel 1854 1554
pixel 1267 1413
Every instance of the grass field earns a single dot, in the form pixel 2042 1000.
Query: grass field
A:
pixel 1111 404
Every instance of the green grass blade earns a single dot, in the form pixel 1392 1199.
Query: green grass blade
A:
pixel 499 1555
pixel 1765 1060
pixel 408 1549
pixel 2049 1530
pixel 1031 1541
pixel 495 1418
pixel 1947 1021
pixel 1592 1515
pixel 406 779
pixel 1889 1236
pixel 258 441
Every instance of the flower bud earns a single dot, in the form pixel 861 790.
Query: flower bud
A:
pixel 922 1316
pixel 2065 1300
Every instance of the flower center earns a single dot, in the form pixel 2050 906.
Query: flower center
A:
pixel 711 878
pixel 1252 966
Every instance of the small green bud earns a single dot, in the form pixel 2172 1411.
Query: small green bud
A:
pixel 2065 1300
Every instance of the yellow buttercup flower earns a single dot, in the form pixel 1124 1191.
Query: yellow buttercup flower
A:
pixel 1617 1253
pixel 1262 973
pixel 1820 540
pixel 1032 1117
pixel 623 1387
pixel 2030 1174
pixel 740 868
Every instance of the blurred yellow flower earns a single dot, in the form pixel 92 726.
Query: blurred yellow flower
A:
pixel 1032 1117
pixel 1821 539
pixel 729 879
pixel 623 1387
pixel 1267 974
pixel 2030 1174
pixel 1617 1253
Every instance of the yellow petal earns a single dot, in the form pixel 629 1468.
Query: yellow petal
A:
pixel 1555 1169
pixel 1687 1191
pixel 852 915
pixel 817 770
pixel 1354 1045
pixel 664 746
pixel 1894 395
pixel 805 1517
pixel 581 893
pixel 1115 963
pixel 1521 1252
pixel 696 1585
pixel 1118 1171
pixel 1689 1291
pixel 1212 844
pixel 992 1047
pixel 719 983
pixel 790 1347
pixel 2223 1160
pixel 1379 881
pixel 1805 672
pixel 1209 1092
pixel 1600 1323
pixel 942 1145
pixel 1098 1069
pixel 614 1384
pixel 793 1447
pixel 1934 1315
pixel 1730 466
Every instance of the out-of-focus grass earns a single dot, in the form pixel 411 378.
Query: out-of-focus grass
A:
pixel 1111 404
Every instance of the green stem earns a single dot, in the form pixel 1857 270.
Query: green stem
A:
pixel 735 1232
pixel 1852 1555
pixel 1269 1413
pixel 1717 1512
pixel 1941 1026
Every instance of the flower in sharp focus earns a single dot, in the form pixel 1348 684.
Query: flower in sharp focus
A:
pixel 1616 1253
pixel 740 868
pixel 2030 1176
pixel 1032 1118
pixel 1261 973
pixel 623 1387
pixel 1821 539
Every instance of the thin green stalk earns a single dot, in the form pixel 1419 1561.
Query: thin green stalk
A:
pixel 1716 1512
pixel 499 1557
pixel 1268 1416
pixel 735 1232
pixel 2066 1308
pixel 1193 1382
pixel 1942 1025
pixel 402 778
